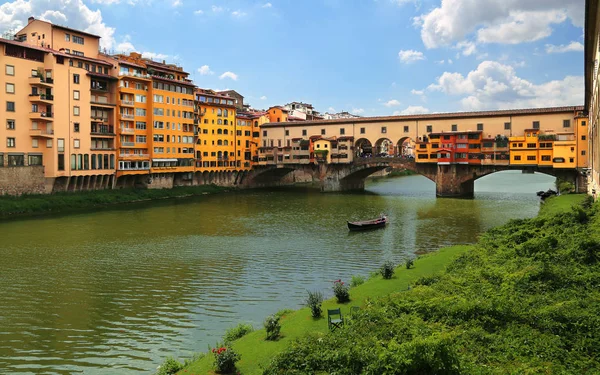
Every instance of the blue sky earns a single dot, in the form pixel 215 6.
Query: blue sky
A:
pixel 370 57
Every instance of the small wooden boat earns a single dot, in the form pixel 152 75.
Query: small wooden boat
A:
pixel 380 222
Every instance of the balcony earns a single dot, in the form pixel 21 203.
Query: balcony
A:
pixel 127 144
pixel 41 98
pixel 103 130
pixel 136 75
pixel 41 116
pixel 127 116
pixel 127 130
pixel 99 86
pixel 126 103
pixel 101 101
pixel 41 133
pixel 97 148
pixel 41 81
pixel 134 156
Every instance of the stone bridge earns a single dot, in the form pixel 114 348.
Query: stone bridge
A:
pixel 456 180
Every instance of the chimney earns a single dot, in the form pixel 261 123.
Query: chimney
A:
pixel 164 62
pixel 30 19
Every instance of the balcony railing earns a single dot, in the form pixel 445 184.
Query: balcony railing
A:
pixel 39 80
pixel 122 155
pixel 41 115
pixel 138 75
pixel 127 102
pixel 127 144
pixel 127 115
pixel 97 148
pixel 127 130
pixel 47 133
pixel 103 130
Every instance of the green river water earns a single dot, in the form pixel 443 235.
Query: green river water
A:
pixel 117 290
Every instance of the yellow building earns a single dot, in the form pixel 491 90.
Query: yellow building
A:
pixel 322 150
pixel 248 133
pixel 581 124
pixel 524 149
pixel 216 145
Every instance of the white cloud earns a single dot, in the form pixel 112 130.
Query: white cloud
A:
pixel 238 14
pixel 13 16
pixel 412 110
pixel 392 103
pixel 440 62
pixel 229 75
pixel 205 70
pixel 571 47
pixel 177 3
pixel 467 48
pixel 417 92
pixel 216 9
pixel 358 111
pixel 125 47
pixel 493 20
pixel 155 56
pixel 199 12
pixel 263 98
pixel 267 5
pixel 331 109
pixel 410 56
pixel 496 86
pixel 450 61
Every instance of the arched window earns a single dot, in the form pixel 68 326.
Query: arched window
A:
pixel 86 162
pixel 219 131
pixel 220 154
pixel 255 123
pixel 226 143
pixel 93 161
pixel 219 112
pixel 112 162
pixel 219 122
pixel 100 161
pixel 225 131
pixel 219 143
pixel 73 162
pixel 225 122
pixel 79 161
pixel 225 113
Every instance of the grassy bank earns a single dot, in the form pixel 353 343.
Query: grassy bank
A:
pixel 498 306
pixel 65 202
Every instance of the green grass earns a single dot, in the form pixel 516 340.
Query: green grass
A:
pixel 65 202
pixel 561 203
pixel 256 352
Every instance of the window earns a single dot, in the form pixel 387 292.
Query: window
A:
pixel 536 124
pixel 76 127
pixel 76 143
pixel 60 144
pixel 507 126
pixel 582 122
pixel 16 160
pixel 406 129
pixel 566 123
pixel 362 130
pixel 303 132
pixel 76 78
pixel 10 106
pixel 10 142
pixel 583 138
pixel 546 158
pixel 10 124
pixel 10 88
pixel 76 95
pixel 342 131
pixel 429 128
pixel 454 127
pixel 9 70
pixel 287 133
pixel 480 127
pixel 531 157
pixel 531 145
pixel 517 157
pixel 264 133
pixel 384 129
pixel 67 37
pixel 34 160
pixel 77 39
pixel 48 143
pixel 140 98
pixel 61 162
pixel 140 125
pixel 322 131
pixel 571 160
pixel 75 111
pixel 140 112
pixel 583 153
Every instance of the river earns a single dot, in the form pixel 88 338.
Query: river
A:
pixel 117 290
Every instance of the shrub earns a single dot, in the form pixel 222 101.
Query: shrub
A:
pixel 273 327
pixel 409 263
pixel 357 280
pixel 225 359
pixel 313 301
pixel 238 331
pixel 564 187
pixel 169 366
pixel 387 270
pixel 341 291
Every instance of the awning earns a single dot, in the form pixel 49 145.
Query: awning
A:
pixel 165 160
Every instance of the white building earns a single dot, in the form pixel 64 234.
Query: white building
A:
pixel 339 115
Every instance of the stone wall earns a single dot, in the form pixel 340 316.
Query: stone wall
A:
pixel 161 181
pixel 22 180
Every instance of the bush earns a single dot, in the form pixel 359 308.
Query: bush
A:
pixel 387 270
pixel 169 366
pixel 409 263
pixel 564 187
pixel 313 301
pixel 341 291
pixel 357 280
pixel 238 331
pixel 225 359
pixel 272 327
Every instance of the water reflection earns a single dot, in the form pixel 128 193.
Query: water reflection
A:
pixel 116 291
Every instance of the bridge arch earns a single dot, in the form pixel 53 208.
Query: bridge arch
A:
pixel 384 146
pixel 363 147
pixel 405 147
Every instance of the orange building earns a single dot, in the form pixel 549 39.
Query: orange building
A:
pixel 277 114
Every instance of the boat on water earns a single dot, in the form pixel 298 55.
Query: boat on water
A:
pixel 380 222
